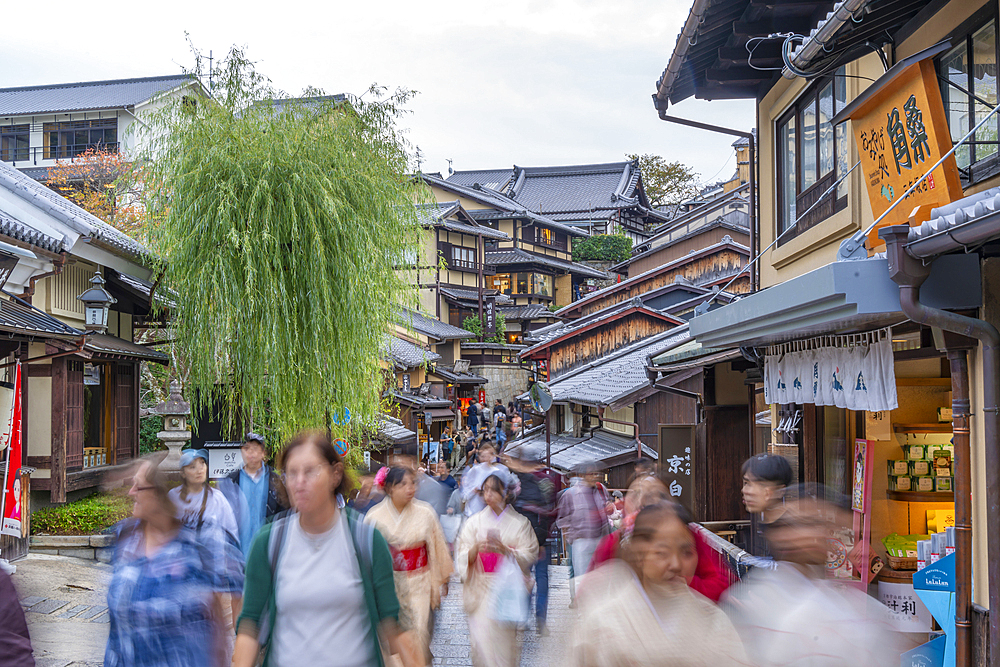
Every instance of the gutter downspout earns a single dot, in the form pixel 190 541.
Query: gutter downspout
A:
pixel 661 106
pixel 634 425
pixel 684 42
pixel 909 273
pixel 57 264
pixel 814 44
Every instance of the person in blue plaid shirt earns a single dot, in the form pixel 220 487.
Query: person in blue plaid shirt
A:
pixel 163 598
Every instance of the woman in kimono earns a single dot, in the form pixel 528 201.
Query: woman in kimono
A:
pixel 495 533
pixel 421 560
pixel 640 611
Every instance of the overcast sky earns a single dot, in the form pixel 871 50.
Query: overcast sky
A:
pixel 529 83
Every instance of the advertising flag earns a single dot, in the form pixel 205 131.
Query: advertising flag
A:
pixel 12 508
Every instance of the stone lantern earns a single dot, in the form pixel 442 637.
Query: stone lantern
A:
pixel 175 412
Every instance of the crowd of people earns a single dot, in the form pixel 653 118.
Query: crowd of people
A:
pixel 309 567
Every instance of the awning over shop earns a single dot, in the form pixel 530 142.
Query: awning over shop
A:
pixel 449 375
pixel 440 414
pixel 104 346
pixel 605 447
pixel 692 355
pixel 842 297
pixel 392 431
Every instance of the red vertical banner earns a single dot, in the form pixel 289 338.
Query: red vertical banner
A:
pixel 12 480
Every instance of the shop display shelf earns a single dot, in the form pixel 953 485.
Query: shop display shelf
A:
pixel 922 496
pixel 939 427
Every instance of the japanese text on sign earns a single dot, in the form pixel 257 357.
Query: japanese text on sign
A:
pixel 900 131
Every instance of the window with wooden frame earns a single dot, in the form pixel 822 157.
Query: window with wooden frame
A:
pixel 550 238
pixel 810 155
pixel 969 92
pixel 463 258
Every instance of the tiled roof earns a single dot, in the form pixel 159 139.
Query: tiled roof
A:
pixel 576 188
pixel 407 355
pixel 547 221
pixel 15 229
pixel 392 430
pixel 119 347
pixel 18 318
pixel 68 213
pixel 568 452
pixel 82 96
pixel 417 401
pixel 626 284
pixel 518 256
pixel 476 345
pixel 499 202
pixel 553 333
pixel 432 327
pixel 448 373
pixel 459 294
pixel 439 215
pixel 965 223
pixel 614 376
pixel 494 179
pixel 533 311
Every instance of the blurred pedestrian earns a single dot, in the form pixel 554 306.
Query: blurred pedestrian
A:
pixel 711 575
pixel 793 614
pixel 472 481
pixel 488 538
pixel 164 595
pixel 319 580
pixel 421 561
pixel 444 475
pixel 536 502
pixel 583 518
pixel 472 417
pixel 204 509
pixel 765 478
pixel 261 493
pixel 639 610
pixel 368 495
pixel 15 642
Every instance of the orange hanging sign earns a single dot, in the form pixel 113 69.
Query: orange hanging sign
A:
pixel 901 131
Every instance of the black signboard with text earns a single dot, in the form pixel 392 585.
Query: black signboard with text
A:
pixel 677 462
pixel 489 315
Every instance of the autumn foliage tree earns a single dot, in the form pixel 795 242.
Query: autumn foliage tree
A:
pixel 666 183
pixel 106 184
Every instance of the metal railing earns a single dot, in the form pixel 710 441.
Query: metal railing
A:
pixel 32 156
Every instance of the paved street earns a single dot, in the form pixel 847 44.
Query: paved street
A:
pixel 451 633
pixel 64 602
pixel 67 615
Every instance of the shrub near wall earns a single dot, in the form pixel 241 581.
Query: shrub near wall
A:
pixel 83 517
pixel 602 248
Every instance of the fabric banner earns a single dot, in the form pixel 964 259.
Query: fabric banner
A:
pixel 854 372
pixel 12 480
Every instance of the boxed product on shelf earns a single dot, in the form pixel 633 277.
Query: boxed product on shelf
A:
pixel 900 483
pixel 944 414
pixel 920 468
pixel 944 483
pixel 923 483
pixel 941 458
pixel 899 467
pixel 942 472
pixel 915 452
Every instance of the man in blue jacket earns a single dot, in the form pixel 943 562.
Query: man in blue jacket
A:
pixel 258 494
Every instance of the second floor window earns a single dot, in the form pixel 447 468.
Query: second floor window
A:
pixel 14 142
pixel 70 139
pixel 972 67
pixel 463 257
pixel 550 238
pixel 811 154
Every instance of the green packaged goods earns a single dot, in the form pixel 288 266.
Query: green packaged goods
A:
pixel 920 468
pixel 900 483
pixel 899 467
pixel 941 458
pixel 943 484
pixel 923 483
pixel 915 452
pixel 942 472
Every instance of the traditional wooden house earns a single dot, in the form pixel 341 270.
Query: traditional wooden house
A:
pixel 534 264
pixel 80 388
pixel 709 224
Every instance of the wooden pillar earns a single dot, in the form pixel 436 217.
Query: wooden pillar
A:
pixel 57 486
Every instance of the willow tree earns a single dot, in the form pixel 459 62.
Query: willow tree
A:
pixel 280 223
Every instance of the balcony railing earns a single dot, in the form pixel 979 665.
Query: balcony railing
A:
pixel 28 157
pixel 464 265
